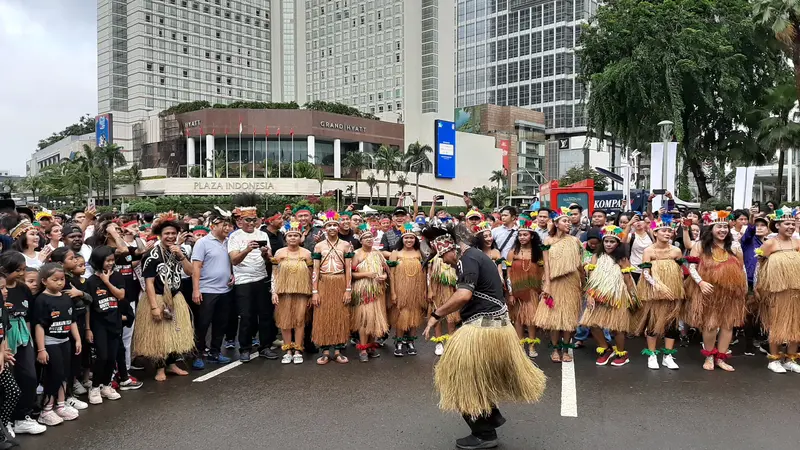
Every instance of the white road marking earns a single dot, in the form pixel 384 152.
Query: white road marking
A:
pixel 222 369
pixel 569 394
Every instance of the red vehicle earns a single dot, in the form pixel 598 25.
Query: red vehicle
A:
pixel 553 196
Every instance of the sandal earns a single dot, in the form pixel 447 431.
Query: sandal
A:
pixel 341 359
pixel 324 359
pixel 555 356
pixel 566 358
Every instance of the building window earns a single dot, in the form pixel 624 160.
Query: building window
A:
pixel 162 81
pixel 186 74
pixel 150 67
pixel 160 69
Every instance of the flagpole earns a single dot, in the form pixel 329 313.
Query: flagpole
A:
pixel 226 152
pixel 266 151
pixel 254 151
pixel 240 146
pixel 279 152
pixel 202 160
pixel 292 133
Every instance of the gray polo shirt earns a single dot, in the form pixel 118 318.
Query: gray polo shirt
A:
pixel 216 271
pixel 501 236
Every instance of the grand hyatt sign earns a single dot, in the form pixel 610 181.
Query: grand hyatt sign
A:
pixel 342 127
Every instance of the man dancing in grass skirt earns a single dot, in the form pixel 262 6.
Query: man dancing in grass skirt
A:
pixel 483 363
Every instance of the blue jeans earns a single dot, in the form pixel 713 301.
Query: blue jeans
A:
pixel 583 333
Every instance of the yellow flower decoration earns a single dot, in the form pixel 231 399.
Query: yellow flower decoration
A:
pixel 589 267
pixel 627 270
pixel 759 252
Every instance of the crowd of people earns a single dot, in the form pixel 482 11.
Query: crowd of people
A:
pixel 90 298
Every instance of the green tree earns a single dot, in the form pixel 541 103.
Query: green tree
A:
pixel 499 178
pixel 112 157
pixel 356 162
pixel 372 182
pixel 484 196
pixel 783 17
pixel 10 185
pixel 388 161
pixel 417 161
pixel 133 176
pixel 320 179
pixel 402 182
pixel 702 64
pixel 34 184
pixel 578 173
pixel 780 131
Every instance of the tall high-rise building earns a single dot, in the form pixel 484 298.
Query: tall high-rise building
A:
pixel 152 54
pixel 522 53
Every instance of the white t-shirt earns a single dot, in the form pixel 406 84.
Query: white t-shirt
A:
pixel 33 263
pixel 86 252
pixel 253 267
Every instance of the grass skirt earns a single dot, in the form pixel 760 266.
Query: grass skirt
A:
pixel 156 340
pixel 608 317
pixel 290 312
pixel 663 304
pixel 523 311
pixel 725 307
pixel 409 311
pixel 484 366
pixel 441 294
pixel 331 324
pixel 293 277
pixel 566 310
pixel 778 290
pixel 371 316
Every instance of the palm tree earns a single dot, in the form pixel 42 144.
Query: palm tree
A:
pixel 372 182
pixel 389 162
pixel 10 185
pixel 111 155
pixel 320 179
pixel 133 176
pixel 497 177
pixel 417 161
pixel 780 131
pixel 783 16
pixel 402 182
pixel 33 184
pixel 88 163
pixel 356 161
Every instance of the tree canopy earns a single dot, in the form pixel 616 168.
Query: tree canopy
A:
pixel 85 125
pixel 703 64
pixel 318 105
pixel 579 173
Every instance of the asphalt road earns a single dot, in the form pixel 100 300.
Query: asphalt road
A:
pixel 389 403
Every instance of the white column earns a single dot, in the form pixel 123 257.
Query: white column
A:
pixel 361 146
pixel 789 191
pixel 209 163
pixel 337 158
pixel 189 155
pixel 797 177
pixel 311 150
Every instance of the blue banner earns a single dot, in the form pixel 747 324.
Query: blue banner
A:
pixel 102 126
pixel 445 149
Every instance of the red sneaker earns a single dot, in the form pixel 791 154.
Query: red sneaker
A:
pixel 621 360
pixel 604 357
pixel 115 385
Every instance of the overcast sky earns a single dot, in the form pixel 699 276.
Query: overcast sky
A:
pixel 48 77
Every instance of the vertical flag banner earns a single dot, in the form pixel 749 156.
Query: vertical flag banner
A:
pixel 240 146
pixel 279 152
pixel 291 133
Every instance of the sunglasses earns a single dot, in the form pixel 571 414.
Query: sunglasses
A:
pixel 251 220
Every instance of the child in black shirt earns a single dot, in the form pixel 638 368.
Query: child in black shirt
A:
pixel 107 288
pixel 53 316
pixel 9 391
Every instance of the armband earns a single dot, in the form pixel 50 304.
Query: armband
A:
pixel 627 270
pixel 681 261
pixel 349 255
pixel 273 260
pixel 391 263
pixel 694 274
pixel 646 265
pixel 692 260
pixel 316 256
pixel 436 316
pixel 544 247
pixel 500 261
pixel 540 263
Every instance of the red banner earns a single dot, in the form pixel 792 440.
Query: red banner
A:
pixel 505 146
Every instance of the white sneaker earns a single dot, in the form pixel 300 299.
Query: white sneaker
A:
pixel 791 366
pixel 669 362
pixel 67 413
pixel 439 350
pixel 28 426
pixel 652 362
pixel 298 358
pixel 75 403
pixel 287 358
pixel 10 431
pixel 50 418
pixel 776 367
pixel 109 393
pixel 94 396
pixel 532 353
pixel 78 388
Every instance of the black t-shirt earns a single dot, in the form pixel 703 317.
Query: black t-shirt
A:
pixel 478 273
pixel 78 302
pixel 54 314
pixel 163 267
pixel 20 300
pixel 276 242
pixel 350 238
pixel 4 325
pixel 105 307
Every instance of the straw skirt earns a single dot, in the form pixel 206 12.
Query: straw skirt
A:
pixel 157 340
pixel 290 312
pixel 331 324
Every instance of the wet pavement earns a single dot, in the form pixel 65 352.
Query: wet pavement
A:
pixel 389 403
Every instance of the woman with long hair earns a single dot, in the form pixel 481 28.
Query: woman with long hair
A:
pixel 525 283
pixel 716 289
pixel 778 287
pixel 368 317
pixel 54 235
pixel 610 297
pixel 26 241
pixel 408 290
pixel 441 284
pixel 660 289
pixel 560 304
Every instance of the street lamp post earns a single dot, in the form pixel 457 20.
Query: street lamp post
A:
pixel 666 137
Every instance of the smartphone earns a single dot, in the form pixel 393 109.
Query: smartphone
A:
pixel 466 193
pixel 263 243
pixel 407 194
pixel 438 197
pixel 91 203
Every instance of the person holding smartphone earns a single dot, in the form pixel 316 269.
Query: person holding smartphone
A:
pixel 249 249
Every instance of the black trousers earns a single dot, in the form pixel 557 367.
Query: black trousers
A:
pixel 106 346
pixel 211 312
pixel 9 395
pixel 25 374
pixel 56 370
pixel 77 363
pixel 485 427
pixel 256 313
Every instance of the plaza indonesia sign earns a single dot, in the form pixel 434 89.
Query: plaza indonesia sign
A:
pixel 342 127
pixel 232 186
